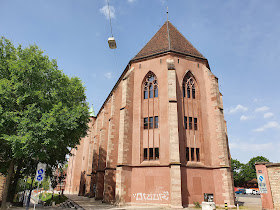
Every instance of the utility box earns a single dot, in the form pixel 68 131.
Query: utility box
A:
pixel 208 206
pixel 208 203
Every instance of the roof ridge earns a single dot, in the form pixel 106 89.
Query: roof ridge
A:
pixel 159 43
pixel 185 38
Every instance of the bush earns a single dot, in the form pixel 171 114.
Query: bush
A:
pixel 48 198
pixel 196 204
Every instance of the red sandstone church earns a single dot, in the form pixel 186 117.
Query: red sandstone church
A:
pixel 160 137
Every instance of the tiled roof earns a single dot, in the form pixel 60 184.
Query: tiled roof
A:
pixel 159 43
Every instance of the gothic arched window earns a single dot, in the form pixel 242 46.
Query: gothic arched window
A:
pixel 150 86
pixel 189 85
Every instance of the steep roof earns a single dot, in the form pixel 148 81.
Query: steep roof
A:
pixel 160 44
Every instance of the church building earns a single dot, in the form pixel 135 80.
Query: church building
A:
pixel 160 137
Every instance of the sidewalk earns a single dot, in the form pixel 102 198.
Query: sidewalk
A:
pixel 90 203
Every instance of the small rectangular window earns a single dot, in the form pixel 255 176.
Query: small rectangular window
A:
pixel 186 122
pixel 146 123
pixel 190 123
pixel 151 124
pixel 192 154
pixel 157 153
pixel 188 154
pixel 178 60
pixel 156 121
pixel 151 153
pixel 145 153
pixel 197 155
pixel 160 61
pixel 195 123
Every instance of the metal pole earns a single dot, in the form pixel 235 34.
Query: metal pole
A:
pixel 30 191
pixel 38 195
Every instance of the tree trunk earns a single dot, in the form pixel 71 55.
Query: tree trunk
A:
pixel 7 184
pixel 12 189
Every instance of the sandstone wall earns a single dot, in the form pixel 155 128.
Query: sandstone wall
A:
pixel 274 180
pixel 2 182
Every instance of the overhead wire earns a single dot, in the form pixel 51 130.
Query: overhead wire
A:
pixel 115 56
pixel 110 17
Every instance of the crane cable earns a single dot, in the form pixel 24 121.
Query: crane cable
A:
pixel 108 5
pixel 110 17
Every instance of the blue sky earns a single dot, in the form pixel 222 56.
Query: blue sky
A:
pixel 239 38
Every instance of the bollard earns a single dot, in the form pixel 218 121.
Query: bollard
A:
pixel 226 206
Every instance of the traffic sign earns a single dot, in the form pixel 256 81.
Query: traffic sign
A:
pixel 262 183
pixel 40 172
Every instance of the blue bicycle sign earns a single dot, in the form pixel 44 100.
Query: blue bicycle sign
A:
pixel 40 171
pixel 39 178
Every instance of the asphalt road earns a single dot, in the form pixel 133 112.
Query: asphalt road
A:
pixel 247 196
pixel 250 202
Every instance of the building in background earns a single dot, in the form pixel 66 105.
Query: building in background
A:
pixel 2 182
pixel 160 137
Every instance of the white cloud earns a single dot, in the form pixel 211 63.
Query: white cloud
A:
pixel 108 75
pixel 271 124
pixel 243 117
pixel 262 109
pixel 238 108
pixel 268 114
pixel 131 1
pixel 104 10
pixel 251 147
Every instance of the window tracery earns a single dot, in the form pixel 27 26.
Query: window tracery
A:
pixel 189 84
pixel 150 86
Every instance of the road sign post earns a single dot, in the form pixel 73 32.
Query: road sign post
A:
pixel 40 173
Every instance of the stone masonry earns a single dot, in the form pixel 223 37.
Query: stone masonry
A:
pixel 274 180
pixel 160 136
pixel 2 182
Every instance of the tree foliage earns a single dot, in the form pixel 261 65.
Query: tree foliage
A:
pixel 243 173
pixel 43 112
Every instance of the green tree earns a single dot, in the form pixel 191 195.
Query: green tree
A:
pixel 243 173
pixel 43 112
pixel 249 172
pixel 236 168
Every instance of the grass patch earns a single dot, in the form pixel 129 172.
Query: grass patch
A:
pixel 197 205
pixel 48 198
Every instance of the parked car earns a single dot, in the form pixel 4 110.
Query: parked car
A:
pixel 258 192
pixel 251 192
pixel 240 191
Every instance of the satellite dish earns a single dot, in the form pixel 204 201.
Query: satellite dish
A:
pixel 112 43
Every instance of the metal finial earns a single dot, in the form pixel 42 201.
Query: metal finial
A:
pixel 168 30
